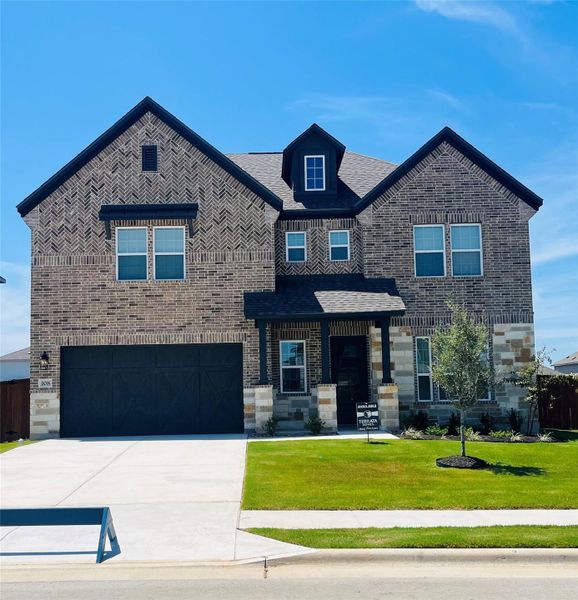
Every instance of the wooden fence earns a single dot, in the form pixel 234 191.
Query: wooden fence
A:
pixel 14 410
pixel 558 406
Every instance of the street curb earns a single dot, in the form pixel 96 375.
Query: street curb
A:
pixel 435 556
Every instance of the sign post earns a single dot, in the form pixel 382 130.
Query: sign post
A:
pixel 367 417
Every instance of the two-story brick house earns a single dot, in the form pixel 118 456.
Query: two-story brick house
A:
pixel 178 290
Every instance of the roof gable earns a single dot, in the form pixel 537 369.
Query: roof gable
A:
pixel 129 119
pixel 481 160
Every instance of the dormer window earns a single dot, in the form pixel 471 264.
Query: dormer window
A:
pixel 315 173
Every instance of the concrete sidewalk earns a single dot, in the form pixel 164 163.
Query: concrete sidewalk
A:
pixel 353 519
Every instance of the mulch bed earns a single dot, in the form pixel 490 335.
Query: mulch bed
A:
pixel 461 462
pixel 527 439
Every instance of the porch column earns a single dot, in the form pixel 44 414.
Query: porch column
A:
pixel 325 371
pixel 385 361
pixel 263 375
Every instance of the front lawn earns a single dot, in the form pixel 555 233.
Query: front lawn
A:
pixel 398 474
pixel 5 446
pixel 430 537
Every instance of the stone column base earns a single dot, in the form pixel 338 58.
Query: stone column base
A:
pixel 388 405
pixel 44 415
pixel 263 406
pixel 327 403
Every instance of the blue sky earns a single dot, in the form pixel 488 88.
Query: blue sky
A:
pixel 381 77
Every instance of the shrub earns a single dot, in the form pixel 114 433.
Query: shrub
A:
pixel 412 434
pixel 515 419
pixel 315 425
pixel 545 437
pixel 436 430
pixel 486 423
pixel 516 437
pixel 271 425
pixel 416 420
pixel 472 435
pixel 502 434
pixel 454 424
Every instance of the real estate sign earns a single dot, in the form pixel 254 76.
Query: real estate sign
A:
pixel 367 416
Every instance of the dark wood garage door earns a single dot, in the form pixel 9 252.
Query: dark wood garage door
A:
pixel 151 390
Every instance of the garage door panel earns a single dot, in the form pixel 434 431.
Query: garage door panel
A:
pixel 151 390
pixel 86 403
pixel 134 402
pixel 178 398
pixel 132 357
pixel 219 411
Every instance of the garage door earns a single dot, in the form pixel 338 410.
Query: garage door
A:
pixel 151 390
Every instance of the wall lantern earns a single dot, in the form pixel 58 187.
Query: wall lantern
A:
pixel 44 360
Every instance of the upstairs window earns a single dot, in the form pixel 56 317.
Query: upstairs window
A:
pixel 131 253
pixel 295 243
pixel 338 245
pixel 149 158
pixel 315 173
pixel 466 250
pixel 423 363
pixel 429 250
pixel 169 256
pixel 292 357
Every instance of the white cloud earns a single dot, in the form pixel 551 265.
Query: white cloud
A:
pixel 476 12
pixel 14 307
pixel 448 98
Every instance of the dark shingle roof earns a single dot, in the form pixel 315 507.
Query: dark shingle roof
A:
pixel 23 354
pixel 358 175
pixel 325 296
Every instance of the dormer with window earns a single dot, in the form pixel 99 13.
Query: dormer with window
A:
pixel 310 166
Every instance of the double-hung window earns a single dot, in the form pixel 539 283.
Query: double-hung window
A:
pixel 339 245
pixel 429 250
pixel 292 359
pixel 466 250
pixel 296 248
pixel 169 252
pixel 131 253
pixel 315 173
pixel 423 363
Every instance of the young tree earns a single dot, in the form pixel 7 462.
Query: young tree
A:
pixel 460 364
pixel 535 386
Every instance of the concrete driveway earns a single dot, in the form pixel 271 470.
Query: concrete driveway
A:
pixel 172 498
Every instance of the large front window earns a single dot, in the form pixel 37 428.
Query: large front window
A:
pixel 315 173
pixel 466 250
pixel 169 245
pixel 339 245
pixel 429 250
pixel 292 358
pixel 131 253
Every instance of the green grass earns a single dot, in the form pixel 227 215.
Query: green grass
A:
pixel 5 446
pixel 397 474
pixel 529 536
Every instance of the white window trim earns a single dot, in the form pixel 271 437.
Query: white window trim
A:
pixel 418 374
pixel 348 245
pixel 322 157
pixel 416 252
pixel 287 234
pixel 304 366
pixel 479 226
pixel 184 252
pixel 145 253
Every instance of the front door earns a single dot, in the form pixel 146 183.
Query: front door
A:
pixel 349 372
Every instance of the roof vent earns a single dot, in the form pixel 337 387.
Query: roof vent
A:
pixel 149 158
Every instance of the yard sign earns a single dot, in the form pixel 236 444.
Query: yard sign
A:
pixel 367 417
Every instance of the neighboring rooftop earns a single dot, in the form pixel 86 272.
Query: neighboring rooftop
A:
pixel 23 354
pixel 358 174
pixel 571 359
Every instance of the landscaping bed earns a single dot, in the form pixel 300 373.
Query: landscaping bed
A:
pixel 402 474
pixel 527 536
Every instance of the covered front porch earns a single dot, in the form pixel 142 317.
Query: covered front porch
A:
pixel 323 347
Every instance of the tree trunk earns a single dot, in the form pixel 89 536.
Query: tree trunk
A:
pixel 462 433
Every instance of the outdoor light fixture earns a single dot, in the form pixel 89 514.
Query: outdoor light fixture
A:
pixel 44 359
